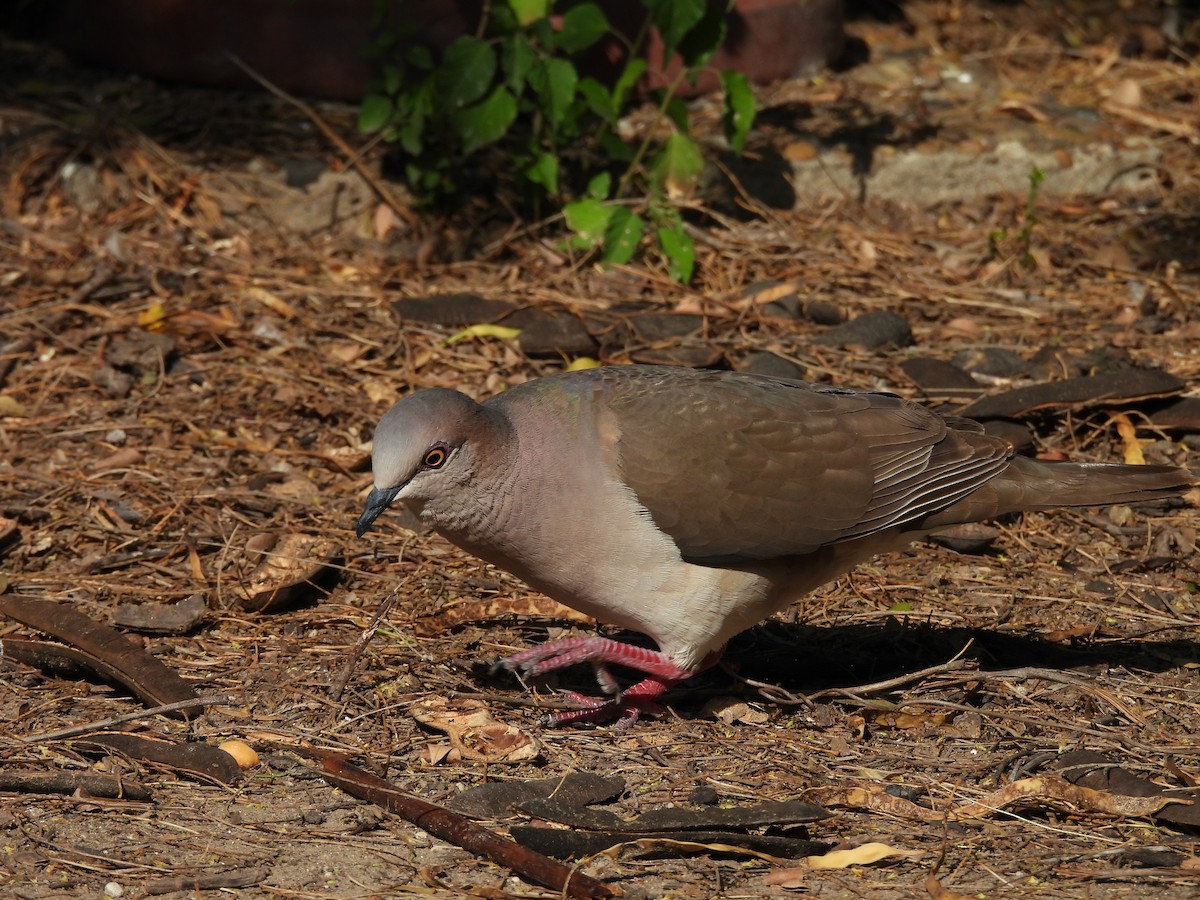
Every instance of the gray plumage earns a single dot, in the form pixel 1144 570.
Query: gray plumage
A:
pixel 692 504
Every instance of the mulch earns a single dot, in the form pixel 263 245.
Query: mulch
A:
pixel 192 358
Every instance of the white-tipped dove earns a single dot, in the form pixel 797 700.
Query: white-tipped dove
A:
pixel 690 504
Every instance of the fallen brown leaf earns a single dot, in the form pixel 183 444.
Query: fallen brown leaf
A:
pixel 474 733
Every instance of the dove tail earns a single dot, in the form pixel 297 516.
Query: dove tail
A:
pixel 1032 484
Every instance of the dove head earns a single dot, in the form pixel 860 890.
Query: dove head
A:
pixel 428 447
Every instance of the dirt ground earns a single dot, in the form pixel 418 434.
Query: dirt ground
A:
pixel 193 352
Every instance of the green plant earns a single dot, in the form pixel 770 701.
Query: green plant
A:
pixel 1024 235
pixel 515 88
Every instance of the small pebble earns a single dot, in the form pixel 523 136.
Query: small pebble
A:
pixel 242 753
pixel 116 436
pixel 112 889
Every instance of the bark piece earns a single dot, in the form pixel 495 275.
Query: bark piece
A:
pixel 162 618
pixel 95 647
pixel 497 798
pixel 452 309
pixel 1109 389
pixel 786 812
pixel 451 827
pixel 545 334
pixel 563 843
pixel 107 787
pixel 203 761
pixel 1095 770
pixel 870 331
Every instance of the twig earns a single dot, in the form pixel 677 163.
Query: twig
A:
pixel 778 695
pixel 334 138
pixel 210 700
pixel 457 830
pixel 249 876
pixel 339 686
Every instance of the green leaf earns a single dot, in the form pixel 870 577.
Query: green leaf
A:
pixel 375 112
pixel 528 11
pixel 418 55
pixel 680 252
pixel 542 34
pixel 379 11
pixel 633 70
pixel 422 180
pixel 487 121
pixel 704 38
pixel 588 218
pixel 392 79
pixel 544 171
pixel 409 136
pixel 676 110
pixel 465 73
pixel 598 99
pixel 739 109
pixel 677 165
pixel 554 80
pixel 516 59
pixel 674 19
pixel 615 149
pixel 413 109
pixel 621 238
pixel 582 26
pixel 599 186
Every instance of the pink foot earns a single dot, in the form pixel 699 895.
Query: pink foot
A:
pixel 602 652
pixel 626 708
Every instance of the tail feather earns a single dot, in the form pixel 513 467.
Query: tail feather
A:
pixel 1033 484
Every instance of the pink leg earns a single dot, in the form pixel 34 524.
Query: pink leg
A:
pixel 602 652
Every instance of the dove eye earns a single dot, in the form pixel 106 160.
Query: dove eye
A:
pixel 436 456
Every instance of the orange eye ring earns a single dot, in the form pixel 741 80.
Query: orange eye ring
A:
pixel 435 457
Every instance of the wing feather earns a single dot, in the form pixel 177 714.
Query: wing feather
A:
pixel 737 467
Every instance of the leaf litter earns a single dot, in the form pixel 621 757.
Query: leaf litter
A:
pixel 187 389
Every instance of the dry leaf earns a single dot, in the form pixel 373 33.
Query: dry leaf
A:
pixel 787 878
pixel 385 221
pixel 730 710
pixel 346 351
pixel 474 733
pixel 1127 93
pixel 122 459
pixel 152 318
pixel 910 720
pixel 503 332
pixel 962 327
pixel 298 568
pixel 862 855
pixel 492 609
pixel 769 293
pixel 1041 791
pixel 1051 790
pixel 378 390
pixel 1133 446
pixel 10 406
pixel 1023 109
pixel 270 301
pixel 937 892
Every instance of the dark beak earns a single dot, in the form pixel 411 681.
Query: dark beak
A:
pixel 377 501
